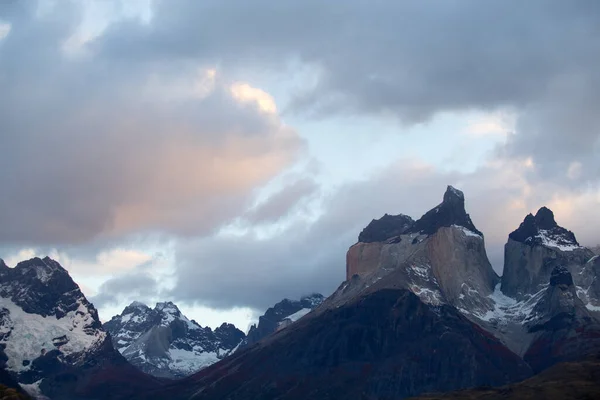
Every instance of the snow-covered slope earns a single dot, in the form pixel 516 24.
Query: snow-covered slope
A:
pixel 165 343
pixel 42 310
pixel 47 326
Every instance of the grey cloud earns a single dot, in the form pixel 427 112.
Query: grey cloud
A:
pixel 93 148
pixel 283 202
pixel 140 286
pixel 409 59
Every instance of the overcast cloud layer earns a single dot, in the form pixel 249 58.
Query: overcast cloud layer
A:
pixel 149 127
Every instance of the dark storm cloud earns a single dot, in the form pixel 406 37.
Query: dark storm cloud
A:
pixel 91 147
pixel 410 59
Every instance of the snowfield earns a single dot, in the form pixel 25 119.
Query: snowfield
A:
pixel 32 334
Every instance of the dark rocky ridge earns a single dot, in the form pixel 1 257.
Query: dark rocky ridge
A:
pixel 388 226
pixel 272 319
pixel 386 345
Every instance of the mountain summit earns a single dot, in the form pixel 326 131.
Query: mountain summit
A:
pixel 451 212
pixel 165 343
pixel 542 229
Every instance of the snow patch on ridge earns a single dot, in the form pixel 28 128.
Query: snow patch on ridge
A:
pixel 467 231
pixel 299 314
pixel 554 242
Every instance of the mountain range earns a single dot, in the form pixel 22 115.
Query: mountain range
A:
pixel 421 310
pixel 165 343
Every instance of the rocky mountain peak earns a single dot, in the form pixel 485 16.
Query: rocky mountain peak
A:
pixel 163 342
pixel 535 249
pixel 450 212
pixel 452 194
pixel 281 315
pixel 542 229
pixel 168 308
pixel 136 306
pixel 544 219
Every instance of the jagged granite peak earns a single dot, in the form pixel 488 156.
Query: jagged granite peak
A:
pixel 165 343
pixel 441 258
pixel 450 212
pixel 535 249
pixel 280 316
pixel 51 334
pixel 388 226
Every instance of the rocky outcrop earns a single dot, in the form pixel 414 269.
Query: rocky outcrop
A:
pixel 534 250
pixel 165 343
pixel 52 338
pixel 385 345
pixel 388 226
pixel 441 257
pixel 562 326
pixel 280 316
pixel 588 284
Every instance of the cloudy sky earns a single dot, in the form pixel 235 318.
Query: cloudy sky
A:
pixel 225 154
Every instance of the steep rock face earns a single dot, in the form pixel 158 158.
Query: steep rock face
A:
pixel 387 344
pixel 563 327
pixel 165 343
pixel 280 316
pixel 534 250
pixel 53 339
pixel 441 257
pixel 588 284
